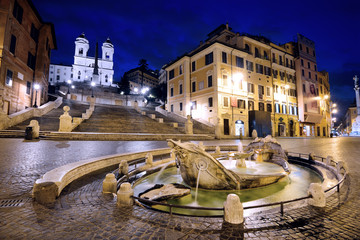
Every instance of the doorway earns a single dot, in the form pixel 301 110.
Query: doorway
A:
pixel 282 130
pixel 239 128
pixel 307 131
pixel 291 128
pixel 226 127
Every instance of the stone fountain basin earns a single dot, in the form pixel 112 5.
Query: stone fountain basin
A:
pixel 295 185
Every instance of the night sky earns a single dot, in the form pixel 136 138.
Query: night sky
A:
pixel 160 31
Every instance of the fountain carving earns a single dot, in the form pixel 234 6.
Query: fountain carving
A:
pixel 201 170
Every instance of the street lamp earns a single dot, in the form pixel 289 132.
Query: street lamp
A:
pixel 92 89
pixel 69 83
pixel 37 87
pixel 144 90
pixel 333 110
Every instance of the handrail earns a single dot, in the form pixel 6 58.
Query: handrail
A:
pixel 255 206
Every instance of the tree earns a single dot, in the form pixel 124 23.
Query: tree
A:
pixel 124 85
pixel 160 92
pixel 143 68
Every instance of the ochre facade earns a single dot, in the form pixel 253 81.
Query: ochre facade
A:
pixel 237 83
pixel 25 45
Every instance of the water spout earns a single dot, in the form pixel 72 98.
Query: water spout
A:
pixel 197 185
pixel 240 147
pixel 156 179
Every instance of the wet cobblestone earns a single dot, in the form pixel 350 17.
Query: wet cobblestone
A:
pixel 83 212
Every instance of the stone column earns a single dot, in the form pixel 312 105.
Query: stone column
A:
pixel 35 128
pixel 65 120
pixel 124 195
pixel 149 159
pixel 356 88
pixel 254 133
pixel 123 167
pixel 218 129
pixel 233 210
pixel 109 184
pixel 318 195
pixel 189 125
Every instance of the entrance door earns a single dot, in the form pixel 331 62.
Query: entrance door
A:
pixel 318 131
pixel 307 131
pixel 226 127
pixel 282 130
pixel 291 128
pixel 239 128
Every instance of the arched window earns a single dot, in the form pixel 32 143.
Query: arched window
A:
pixel 106 78
pixel 79 74
pixel 81 51
pixel 257 54
pixel 107 56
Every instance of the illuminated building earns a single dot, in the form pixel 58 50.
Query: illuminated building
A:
pixel 25 46
pixel 307 84
pixel 83 68
pixel 239 82
pixel 141 80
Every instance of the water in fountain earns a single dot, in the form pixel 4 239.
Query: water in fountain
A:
pixel 156 179
pixel 296 185
pixel 197 185
pixel 240 147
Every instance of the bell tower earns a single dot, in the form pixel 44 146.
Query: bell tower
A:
pixel 81 46
pixel 107 50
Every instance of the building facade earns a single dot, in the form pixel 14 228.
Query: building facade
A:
pixel 323 129
pixel 285 91
pixel 310 115
pixel 349 119
pixel 83 68
pixel 26 42
pixel 238 83
pixel 141 80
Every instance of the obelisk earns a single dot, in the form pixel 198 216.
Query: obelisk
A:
pixel 355 129
pixel 95 78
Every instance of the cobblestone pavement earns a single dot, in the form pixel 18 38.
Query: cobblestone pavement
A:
pixel 82 212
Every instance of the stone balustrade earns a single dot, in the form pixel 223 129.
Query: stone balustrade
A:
pixel 67 123
pixel 7 121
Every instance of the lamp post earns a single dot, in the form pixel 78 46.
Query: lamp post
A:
pixel 92 89
pixel 69 83
pixel 36 87
pixel 333 110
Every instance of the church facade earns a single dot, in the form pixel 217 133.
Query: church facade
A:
pixel 83 68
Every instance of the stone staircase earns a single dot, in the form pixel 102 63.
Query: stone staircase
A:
pixel 121 119
pixel 109 122
pixel 198 128
pixel 50 121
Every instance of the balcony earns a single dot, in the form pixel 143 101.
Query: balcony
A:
pixel 261 56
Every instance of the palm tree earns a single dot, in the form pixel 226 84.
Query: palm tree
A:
pixel 143 67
